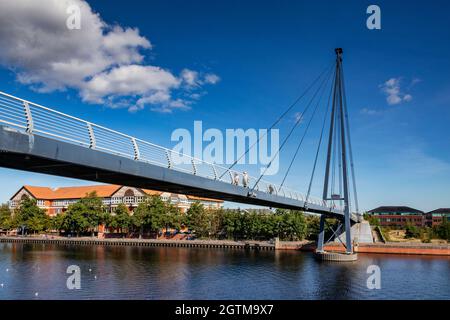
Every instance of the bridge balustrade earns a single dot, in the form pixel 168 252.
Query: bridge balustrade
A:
pixel 39 120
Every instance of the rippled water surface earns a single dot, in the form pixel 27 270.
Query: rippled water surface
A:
pixel 37 271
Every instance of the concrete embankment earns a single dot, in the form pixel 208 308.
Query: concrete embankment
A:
pixel 385 248
pixel 256 245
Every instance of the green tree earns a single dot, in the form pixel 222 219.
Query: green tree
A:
pixel 121 218
pixel 411 231
pixel 231 223
pixel 442 230
pixel 313 223
pixel 28 214
pixel 140 217
pixel 6 219
pixel 95 212
pixel 57 222
pixel 197 220
pixel 172 218
pixel 75 219
pixel 84 215
pixel 215 222
pixel 294 226
pixel 150 215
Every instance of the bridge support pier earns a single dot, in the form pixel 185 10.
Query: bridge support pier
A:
pixel 320 240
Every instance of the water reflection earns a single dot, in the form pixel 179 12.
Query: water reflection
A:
pixel 189 273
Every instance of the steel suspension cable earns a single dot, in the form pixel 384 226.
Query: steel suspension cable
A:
pixel 290 133
pixel 320 143
pixel 304 134
pixel 279 119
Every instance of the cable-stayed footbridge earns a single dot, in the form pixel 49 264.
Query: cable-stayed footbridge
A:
pixel 39 139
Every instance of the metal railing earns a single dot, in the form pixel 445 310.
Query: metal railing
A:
pixel 39 120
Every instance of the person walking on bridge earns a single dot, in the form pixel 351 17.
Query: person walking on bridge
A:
pixel 245 179
pixel 236 179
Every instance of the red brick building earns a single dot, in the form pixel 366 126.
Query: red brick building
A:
pixel 398 216
pixel 55 201
pixel 437 216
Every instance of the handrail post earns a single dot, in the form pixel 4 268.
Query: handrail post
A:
pixel 194 167
pixel 215 172
pixel 169 163
pixel 137 154
pixel 92 142
pixel 29 118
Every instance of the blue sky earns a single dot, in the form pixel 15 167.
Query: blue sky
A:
pixel 261 55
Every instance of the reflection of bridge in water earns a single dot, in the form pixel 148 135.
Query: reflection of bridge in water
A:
pixel 38 139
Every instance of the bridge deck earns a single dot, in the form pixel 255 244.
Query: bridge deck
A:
pixel 39 139
pixel 29 152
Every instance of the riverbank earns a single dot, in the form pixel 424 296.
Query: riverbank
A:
pixel 256 245
pixel 381 248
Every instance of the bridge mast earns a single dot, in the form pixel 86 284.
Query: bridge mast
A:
pixel 337 132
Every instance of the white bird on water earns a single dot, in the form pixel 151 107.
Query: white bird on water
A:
pixel 36 294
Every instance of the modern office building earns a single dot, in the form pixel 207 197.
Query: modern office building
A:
pixel 437 216
pixel 398 216
pixel 57 200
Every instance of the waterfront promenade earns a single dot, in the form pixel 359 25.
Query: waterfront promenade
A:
pixel 382 248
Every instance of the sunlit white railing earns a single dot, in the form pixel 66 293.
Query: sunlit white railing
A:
pixel 39 120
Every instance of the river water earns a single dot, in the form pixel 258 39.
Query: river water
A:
pixel 38 271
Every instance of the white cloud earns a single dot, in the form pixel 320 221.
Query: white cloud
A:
pixel 407 97
pixel 129 80
pixel 394 94
pixel 211 78
pixel 104 63
pixel 193 78
pixel 190 77
pixel 370 112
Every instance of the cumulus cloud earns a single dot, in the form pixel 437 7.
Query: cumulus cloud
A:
pixel 370 112
pixel 194 79
pixel 129 80
pixel 212 78
pixel 394 93
pixel 104 63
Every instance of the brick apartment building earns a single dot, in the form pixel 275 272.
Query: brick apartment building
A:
pixel 55 201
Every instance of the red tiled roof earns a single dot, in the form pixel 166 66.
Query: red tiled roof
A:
pixel 203 199
pixel 46 193
pixel 152 192
pixel 103 191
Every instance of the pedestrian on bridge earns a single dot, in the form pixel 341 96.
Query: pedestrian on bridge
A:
pixel 245 179
pixel 236 179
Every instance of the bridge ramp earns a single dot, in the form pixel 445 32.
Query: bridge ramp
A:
pixel 361 233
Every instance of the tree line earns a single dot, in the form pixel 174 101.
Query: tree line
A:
pixel 155 215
